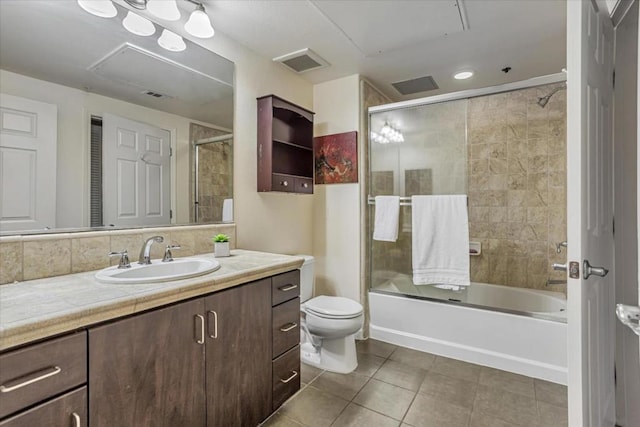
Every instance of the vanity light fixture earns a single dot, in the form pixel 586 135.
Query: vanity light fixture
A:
pixel 101 8
pixel 137 4
pixel 387 134
pixel 199 24
pixel 171 41
pixel 136 24
pixel 462 75
pixel 164 9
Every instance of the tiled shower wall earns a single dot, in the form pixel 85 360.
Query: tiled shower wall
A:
pixel 516 183
pixel 517 187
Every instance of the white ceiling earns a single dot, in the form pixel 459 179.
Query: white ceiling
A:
pixel 394 40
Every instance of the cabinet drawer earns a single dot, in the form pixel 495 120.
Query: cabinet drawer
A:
pixel 304 185
pixel 286 376
pixel 285 287
pixel 281 182
pixel 32 374
pixel 286 329
pixel 67 410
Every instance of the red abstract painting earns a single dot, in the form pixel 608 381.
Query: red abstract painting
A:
pixel 336 158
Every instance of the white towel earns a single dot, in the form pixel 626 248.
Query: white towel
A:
pixel 385 226
pixel 227 210
pixel 440 238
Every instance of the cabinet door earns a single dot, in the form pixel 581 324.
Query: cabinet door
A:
pixel 239 355
pixel 148 370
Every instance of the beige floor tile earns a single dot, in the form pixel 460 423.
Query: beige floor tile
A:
pixel 314 408
pixel 375 347
pixel 404 376
pixel 507 381
pixel 354 416
pixel 279 420
pixel 483 420
pixel 384 398
pixel 368 364
pixel 456 369
pixel 425 411
pixel 416 358
pixel 449 389
pixel 345 386
pixel 507 406
pixel 552 415
pixel 308 373
pixel 549 392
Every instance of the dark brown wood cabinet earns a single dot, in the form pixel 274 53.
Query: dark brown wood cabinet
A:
pixel 238 353
pixel 149 370
pixel 285 146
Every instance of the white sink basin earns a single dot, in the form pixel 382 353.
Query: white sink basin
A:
pixel 158 271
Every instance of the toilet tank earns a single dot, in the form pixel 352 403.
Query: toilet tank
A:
pixel 306 278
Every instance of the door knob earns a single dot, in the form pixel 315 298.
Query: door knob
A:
pixel 588 270
pixel 629 316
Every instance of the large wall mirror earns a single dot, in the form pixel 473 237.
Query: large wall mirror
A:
pixel 100 127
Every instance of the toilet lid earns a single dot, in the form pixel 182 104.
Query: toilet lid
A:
pixel 333 306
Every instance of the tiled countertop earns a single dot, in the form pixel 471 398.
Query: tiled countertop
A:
pixel 37 309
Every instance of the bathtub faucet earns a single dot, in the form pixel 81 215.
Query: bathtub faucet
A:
pixel 560 245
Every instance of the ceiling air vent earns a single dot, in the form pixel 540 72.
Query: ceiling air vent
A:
pixel 420 84
pixel 302 60
pixel 156 94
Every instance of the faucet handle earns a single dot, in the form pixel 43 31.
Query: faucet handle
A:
pixel 124 258
pixel 167 252
pixel 560 245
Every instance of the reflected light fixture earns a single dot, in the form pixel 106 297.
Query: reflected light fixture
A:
pixel 199 24
pixel 171 41
pixel 136 24
pixel 137 4
pixel 387 135
pixel 101 8
pixel 164 9
pixel 462 75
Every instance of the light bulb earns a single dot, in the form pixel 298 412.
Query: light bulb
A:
pixel 101 8
pixel 199 24
pixel 136 24
pixel 171 41
pixel 164 9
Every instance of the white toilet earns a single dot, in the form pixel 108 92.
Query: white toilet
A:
pixel 328 326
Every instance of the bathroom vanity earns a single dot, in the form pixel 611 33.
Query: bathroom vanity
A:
pixel 220 349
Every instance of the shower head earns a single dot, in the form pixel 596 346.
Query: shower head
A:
pixel 542 102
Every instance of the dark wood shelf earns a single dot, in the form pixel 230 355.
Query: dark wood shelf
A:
pixel 292 144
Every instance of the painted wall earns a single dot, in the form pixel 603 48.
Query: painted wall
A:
pixel 336 213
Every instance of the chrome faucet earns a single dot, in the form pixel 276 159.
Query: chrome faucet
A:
pixel 560 245
pixel 145 257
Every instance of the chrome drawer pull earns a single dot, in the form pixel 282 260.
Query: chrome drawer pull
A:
pixel 215 324
pixel 295 374
pixel 47 372
pixel 288 327
pixel 200 329
pixel 287 288
pixel 76 419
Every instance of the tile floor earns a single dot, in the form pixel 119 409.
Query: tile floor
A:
pixel 396 386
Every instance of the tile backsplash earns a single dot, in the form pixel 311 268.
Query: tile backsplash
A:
pixel 47 255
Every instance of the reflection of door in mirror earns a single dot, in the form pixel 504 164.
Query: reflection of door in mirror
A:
pixel 28 147
pixel 136 173
pixel 212 178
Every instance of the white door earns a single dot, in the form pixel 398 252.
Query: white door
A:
pixel 28 148
pixel 135 173
pixel 591 311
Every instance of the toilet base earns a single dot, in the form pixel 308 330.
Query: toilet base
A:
pixel 334 355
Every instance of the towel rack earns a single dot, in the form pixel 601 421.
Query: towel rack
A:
pixel 404 200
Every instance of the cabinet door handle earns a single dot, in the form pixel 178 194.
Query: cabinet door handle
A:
pixel 30 379
pixel 287 288
pixel 305 185
pixel 76 419
pixel 284 183
pixel 199 330
pixel 293 375
pixel 288 327
pixel 215 324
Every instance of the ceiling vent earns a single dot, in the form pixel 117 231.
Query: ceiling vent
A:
pixel 302 60
pixel 156 94
pixel 420 84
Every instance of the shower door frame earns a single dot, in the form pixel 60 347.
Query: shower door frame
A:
pixel 196 178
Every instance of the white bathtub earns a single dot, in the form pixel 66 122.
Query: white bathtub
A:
pixel 517 330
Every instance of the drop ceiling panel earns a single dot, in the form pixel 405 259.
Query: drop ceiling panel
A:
pixel 388 27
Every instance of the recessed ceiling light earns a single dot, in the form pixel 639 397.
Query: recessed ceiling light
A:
pixel 463 75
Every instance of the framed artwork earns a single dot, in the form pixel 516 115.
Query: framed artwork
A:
pixel 335 158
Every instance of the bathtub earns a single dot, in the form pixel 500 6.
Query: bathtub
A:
pixel 517 330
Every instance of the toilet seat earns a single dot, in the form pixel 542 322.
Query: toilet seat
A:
pixel 333 307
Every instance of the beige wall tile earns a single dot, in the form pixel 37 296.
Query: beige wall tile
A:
pixel 10 262
pixel 46 258
pixel 90 253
